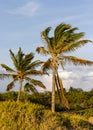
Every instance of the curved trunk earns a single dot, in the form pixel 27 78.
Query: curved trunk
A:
pixel 20 89
pixel 53 92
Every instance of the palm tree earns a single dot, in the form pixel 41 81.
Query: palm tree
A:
pixel 24 69
pixel 65 40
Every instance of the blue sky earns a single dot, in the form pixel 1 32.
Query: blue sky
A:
pixel 22 21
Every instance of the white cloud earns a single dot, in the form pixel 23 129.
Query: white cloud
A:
pixel 73 78
pixel 90 74
pixel 29 9
pixel 65 74
pixel 68 75
pixel 68 78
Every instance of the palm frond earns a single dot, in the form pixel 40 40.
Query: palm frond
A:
pixel 28 58
pixel 32 66
pixel 59 30
pixel 45 34
pixel 35 82
pixel 25 63
pixel 3 76
pixel 47 65
pixel 77 61
pixel 34 72
pixel 72 37
pixel 10 86
pixel 7 68
pixel 48 40
pixel 42 50
pixel 14 59
pixel 20 55
pixel 74 45
pixel 70 42
pixel 30 88
pixel 36 63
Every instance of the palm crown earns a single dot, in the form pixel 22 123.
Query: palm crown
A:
pixel 64 40
pixel 24 68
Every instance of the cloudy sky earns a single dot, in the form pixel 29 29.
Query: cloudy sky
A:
pixel 22 21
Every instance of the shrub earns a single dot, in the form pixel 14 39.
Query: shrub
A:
pixel 20 116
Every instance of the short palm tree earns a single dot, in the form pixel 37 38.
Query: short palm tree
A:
pixel 65 40
pixel 24 69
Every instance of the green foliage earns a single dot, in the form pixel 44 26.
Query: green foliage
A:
pixel 29 116
pixel 80 102
pixel 20 116
pixel 12 96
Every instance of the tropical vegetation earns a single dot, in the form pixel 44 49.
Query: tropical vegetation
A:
pixel 35 114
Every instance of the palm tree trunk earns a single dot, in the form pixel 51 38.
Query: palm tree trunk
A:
pixel 53 92
pixel 20 90
pixel 65 101
pixel 58 89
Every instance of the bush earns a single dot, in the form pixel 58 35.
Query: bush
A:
pixel 12 96
pixel 20 116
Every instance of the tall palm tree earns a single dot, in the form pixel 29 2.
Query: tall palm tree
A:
pixel 24 69
pixel 64 40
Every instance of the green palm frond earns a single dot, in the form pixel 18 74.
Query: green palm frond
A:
pixel 19 56
pixel 47 39
pixel 26 61
pixel 10 85
pixel 72 37
pixel 47 65
pixel 7 68
pixel 30 88
pixel 28 58
pixel 64 32
pixel 42 50
pixel 77 61
pixel 3 76
pixel 36 63
pixel 14 59
pixel 34 72
pixel 45 34
pixel 74 45
pixel 35 82
pixel 58 32
pixel 32 65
